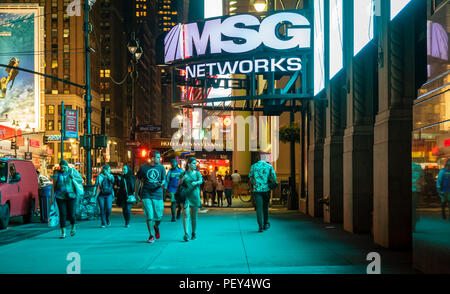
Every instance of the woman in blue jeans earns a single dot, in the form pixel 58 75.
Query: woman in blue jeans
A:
pixel 105 194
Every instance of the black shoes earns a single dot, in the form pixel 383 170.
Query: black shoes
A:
pixel 194 237
pixel 173 219
pixel 266 226
pixel 260 230
pixel 186 237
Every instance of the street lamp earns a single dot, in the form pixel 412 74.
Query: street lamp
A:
pixel 138 53
pixel 260 5
pixel 132 44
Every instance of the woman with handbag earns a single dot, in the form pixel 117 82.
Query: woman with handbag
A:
pixel 125 197
pixel 188 194
pixel 65 191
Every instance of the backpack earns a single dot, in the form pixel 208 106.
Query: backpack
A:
pixel 106 187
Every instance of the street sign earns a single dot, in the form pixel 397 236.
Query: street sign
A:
pixel 71 124
pixel 149 128
pixel 28 155
pixel 137 144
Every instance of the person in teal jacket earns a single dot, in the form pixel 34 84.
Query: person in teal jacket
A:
pixel 172 179
pixel 443 187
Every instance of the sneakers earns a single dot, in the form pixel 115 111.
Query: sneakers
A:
pixel 73 231
pixel 173 219
pixel 266 226
pixel 102 226
pixel 203 210
pixel 260 230
pixel 108 224
pixel 194 237
pixel 151 239
pixel 186 237
pixel 156 232
pixel 127 226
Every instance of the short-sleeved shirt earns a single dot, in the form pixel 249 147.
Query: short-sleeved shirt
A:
pixel 152 177
pixel 260 172
pixel 236 177
pixel 173 178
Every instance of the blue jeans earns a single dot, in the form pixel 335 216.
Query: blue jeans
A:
pixel 105 203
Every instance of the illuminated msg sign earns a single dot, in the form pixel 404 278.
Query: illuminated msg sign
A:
pixel 237 35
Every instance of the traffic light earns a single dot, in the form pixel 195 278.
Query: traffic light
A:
pixel 13 145
pixel 143 153
pixel 45 140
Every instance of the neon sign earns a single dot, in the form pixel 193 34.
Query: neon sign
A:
pixel 237 34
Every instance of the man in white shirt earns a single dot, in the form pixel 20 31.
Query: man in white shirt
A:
pixel 236 179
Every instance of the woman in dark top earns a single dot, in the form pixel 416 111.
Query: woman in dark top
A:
pixel 126 188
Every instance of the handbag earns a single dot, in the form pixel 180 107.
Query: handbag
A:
pixel 130 198
pixel 180 194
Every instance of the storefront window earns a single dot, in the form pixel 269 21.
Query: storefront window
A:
pixel 431 149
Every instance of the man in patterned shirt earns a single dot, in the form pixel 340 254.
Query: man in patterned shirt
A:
pixel 260 173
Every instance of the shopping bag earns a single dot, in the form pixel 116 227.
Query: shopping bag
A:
pixel 53 218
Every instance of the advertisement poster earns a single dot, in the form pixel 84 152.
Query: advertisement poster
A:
pixel 19 47
pixel 71 124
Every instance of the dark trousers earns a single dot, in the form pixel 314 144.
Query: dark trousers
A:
pixel 66 210
pixel 126 210
pixel 213 197
pixel 219 198
pixel 262 207
pixel 105 203
pixel 228 196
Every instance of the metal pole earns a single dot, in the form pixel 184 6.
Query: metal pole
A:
pixel 133 112
pixel 87 96
pixel 15 141
pixel 62 130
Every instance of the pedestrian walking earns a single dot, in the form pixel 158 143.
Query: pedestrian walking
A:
pixel 190 190
pixel 104 193
pixel 172 179
pixel 67 186
pixel 262 177
pixel 125 197
pixel 228 185
pixel 443 187
pixel 236 178
pixel 213 178
pixel 219 189
pixel 149 185
pixel 208 190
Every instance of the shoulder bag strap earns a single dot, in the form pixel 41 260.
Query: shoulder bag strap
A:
pixel 126 188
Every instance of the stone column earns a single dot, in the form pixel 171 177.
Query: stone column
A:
pixel 359 93
pixel 315 159
pixel 392 132
pixel 333 148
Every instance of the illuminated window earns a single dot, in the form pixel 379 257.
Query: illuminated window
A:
pixel 66 33
pixel 107 73
pixel 54 63
pixel 50 109
pixel 66 48
pixel 319 50
pixel 363 24
pixel 336 37
pixel 397 6
pixel 102 73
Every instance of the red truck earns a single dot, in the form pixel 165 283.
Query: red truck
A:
pixel 18 190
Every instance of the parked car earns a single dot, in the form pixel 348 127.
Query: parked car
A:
pixel 18 190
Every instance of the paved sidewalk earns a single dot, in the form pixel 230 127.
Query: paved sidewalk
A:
pixel 228 243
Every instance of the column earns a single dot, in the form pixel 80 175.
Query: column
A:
pixel 392 131
pixel 315 159
pixel 360 92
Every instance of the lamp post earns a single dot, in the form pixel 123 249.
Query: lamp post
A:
pixel 28 130
pixel 136 54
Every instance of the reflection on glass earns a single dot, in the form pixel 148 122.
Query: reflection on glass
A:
pixel 3 172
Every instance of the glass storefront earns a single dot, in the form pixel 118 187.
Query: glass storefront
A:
pixel 431 145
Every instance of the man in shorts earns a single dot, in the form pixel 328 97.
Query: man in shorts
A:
pixel 150 181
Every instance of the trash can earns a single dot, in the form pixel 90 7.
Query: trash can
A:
pixel 45 193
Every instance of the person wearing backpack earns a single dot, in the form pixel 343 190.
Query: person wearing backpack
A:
pixel 67 186
pixel 125 193
pixel 105 194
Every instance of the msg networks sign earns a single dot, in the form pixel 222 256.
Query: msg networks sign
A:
pixel 283 33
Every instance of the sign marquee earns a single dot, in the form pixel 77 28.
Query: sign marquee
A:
pixel 237 34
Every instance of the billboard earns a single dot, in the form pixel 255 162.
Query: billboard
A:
pixel 21 42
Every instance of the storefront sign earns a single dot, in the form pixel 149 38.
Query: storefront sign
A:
pixel 238 34
pixel 71 124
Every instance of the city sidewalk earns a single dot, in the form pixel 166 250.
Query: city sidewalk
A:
pixel 228 243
